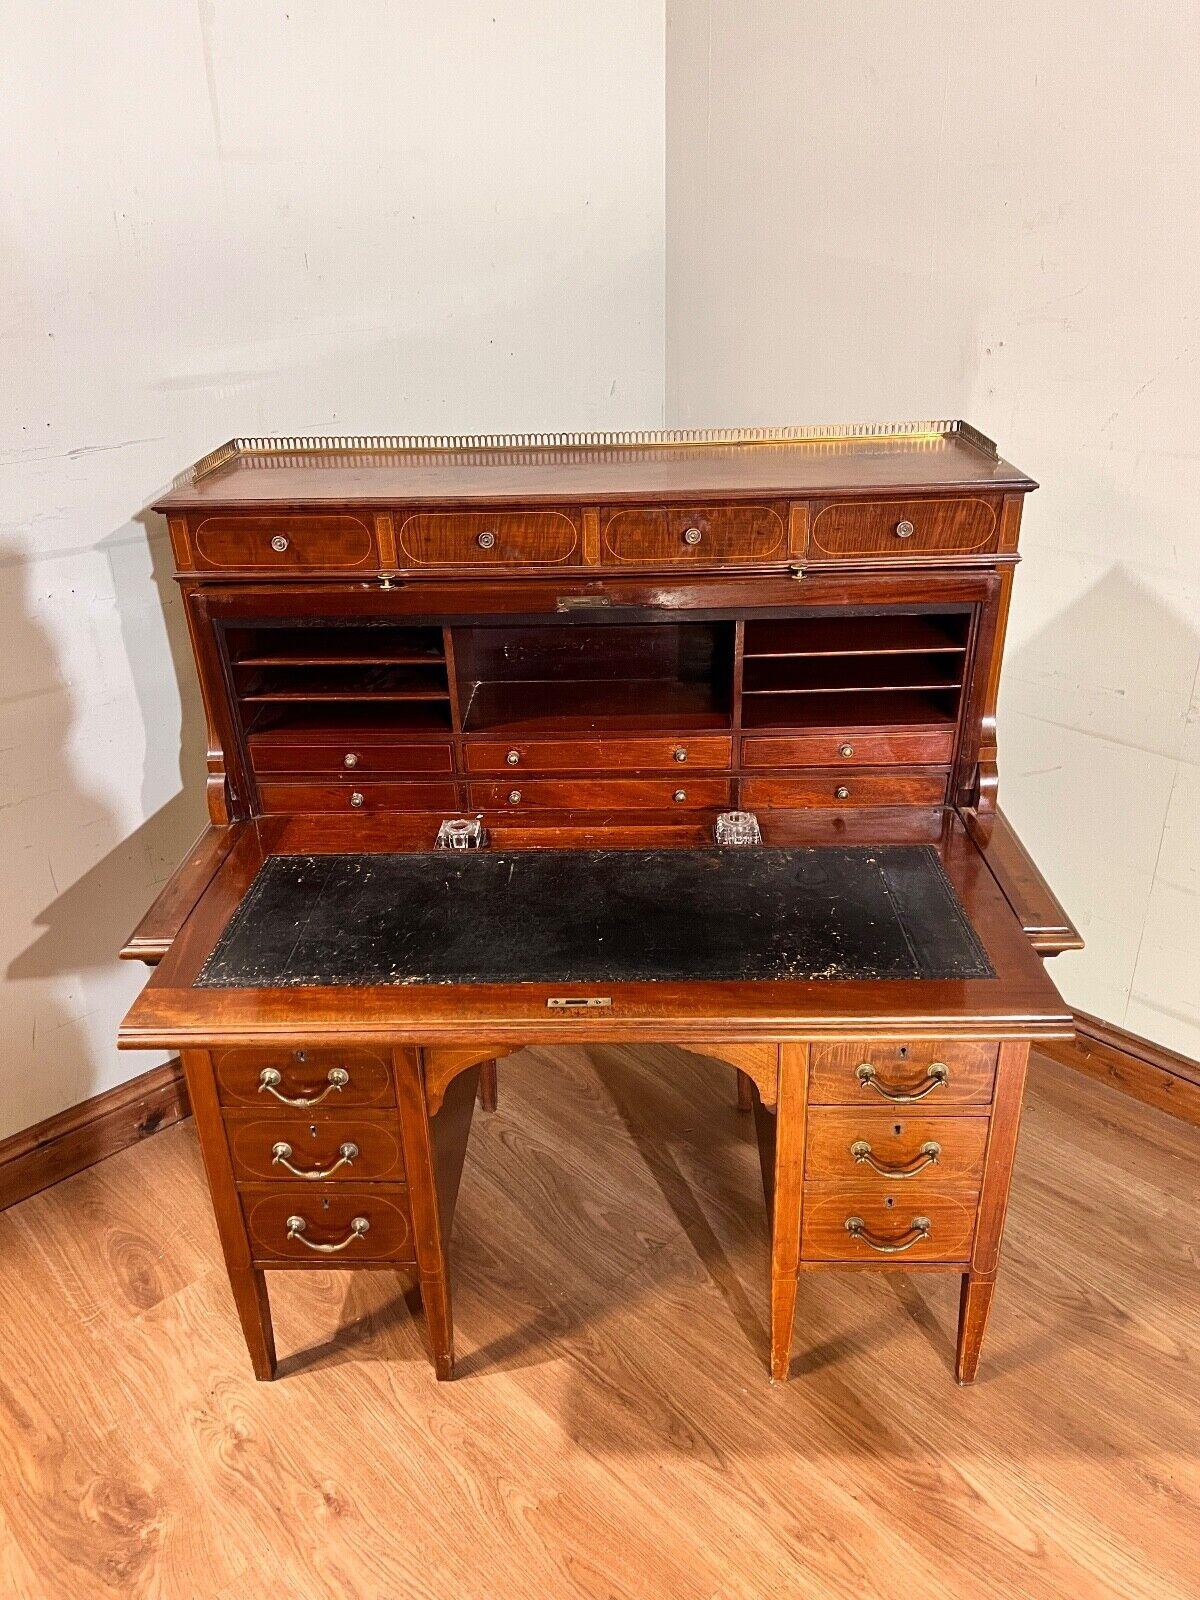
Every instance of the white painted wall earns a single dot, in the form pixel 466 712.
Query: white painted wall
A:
pixel 219 218
pixel 902 209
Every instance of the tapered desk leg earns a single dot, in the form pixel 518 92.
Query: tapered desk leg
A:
pixel 488 1086
pixel 249 1285
pixel 432 1269
pixel 745 1091
pixel 979 1284
pixel 781 1148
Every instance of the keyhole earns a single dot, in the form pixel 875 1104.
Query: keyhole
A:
pixel 903 1051
pixel 325 1204
pixel 889 1202
pixel 312 1130
pixel 301 1055
pixel 897 1127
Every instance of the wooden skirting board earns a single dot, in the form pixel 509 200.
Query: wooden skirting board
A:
pixel 79 1137
pixel 84 1134
pixel 1126 1061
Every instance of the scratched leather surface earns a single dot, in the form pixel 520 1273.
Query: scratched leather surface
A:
pixel 596 916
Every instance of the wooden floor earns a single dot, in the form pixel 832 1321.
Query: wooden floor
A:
pixel 612 1431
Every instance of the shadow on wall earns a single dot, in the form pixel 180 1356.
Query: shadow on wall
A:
pixel 83 928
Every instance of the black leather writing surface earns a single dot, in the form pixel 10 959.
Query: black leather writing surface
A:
pixel 596 916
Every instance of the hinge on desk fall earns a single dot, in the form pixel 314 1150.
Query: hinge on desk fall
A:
pixel 795 570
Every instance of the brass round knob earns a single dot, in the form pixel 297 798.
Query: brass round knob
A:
pixel 349 759
pixel 279 543
pixel 905 529
pixel 679 754
pixel 486 540
pixel 514 797
pixel 356 799
pixel 513 758
pixel 845 749
pixel 841 792
pixel 680 795
pixel 692 536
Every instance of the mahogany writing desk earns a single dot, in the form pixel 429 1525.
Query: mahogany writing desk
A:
pixel 597 647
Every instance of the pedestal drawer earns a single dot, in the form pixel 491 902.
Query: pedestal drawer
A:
pixel 902 1223
pixel 328 1148
pixel 328 1225
pixel 891 1147
pixel 875 1072
pixel 302 1079
pixel 902 528
pixel 598 794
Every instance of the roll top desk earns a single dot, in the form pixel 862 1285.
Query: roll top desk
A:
pixel 594 648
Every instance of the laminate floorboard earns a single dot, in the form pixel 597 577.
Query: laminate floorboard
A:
pixel 612 1433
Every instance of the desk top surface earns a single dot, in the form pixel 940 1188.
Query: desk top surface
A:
pixel 596 916
pixel 864 938
pixel 925 456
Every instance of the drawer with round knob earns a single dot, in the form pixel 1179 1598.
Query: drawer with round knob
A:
pixel 489 539
pixel 283 544
pixel 893 1146
pixel 902 528
pixel 852 747
pixel 855 787
pixel 931 1073
pixel 867 1222
pixel 328 1225
pixel 663 535
pixel 329 1148
pixel 587 755
pixel 302 1079
pixel 600 794
pixel 349 756
pixel 356 798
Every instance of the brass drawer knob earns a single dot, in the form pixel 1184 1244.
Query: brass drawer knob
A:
pixel 846 750
pixel 841 792
pixel 936 1076
pixel 279 543
pixel 349 759
pixel 356 799
pixel 905 529
pixel 680 796
pixel 514 797
pixel 931 1154
pixel 513 758
pixel 692 536
pixel 297 1225
pixel 919 1228
pixel 281 1156
pixel 270 1078
pixel 486 540
pixel 679 754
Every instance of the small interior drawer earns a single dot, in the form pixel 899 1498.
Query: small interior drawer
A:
pixel 699 534
pixel 854 787
pixel 852 746
pixel 302 1080
pixel 580 755
pixel 350 756
pixel 283 544
pixel 916 1221
pixel 882 1147
pixel 878 1072
pixel 902 528
pixel 357 799
pixel 330 1231
pixel 331 1148
pixel 597 794
pixel 489 538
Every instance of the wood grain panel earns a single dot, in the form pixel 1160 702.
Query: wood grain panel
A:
pixel 888 1214
pixel 586 794
pixel 317 1144
pixel 303 1073
pixel 328 1211
pixel 843 746
pixel 902 1067
pixel 373 796
pixel 308 543
pixel 897 1142
pixel 861 786
pixel 490 538
pixel 370 757
pixel 876 527
pixel 700 534
pixel 682 753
